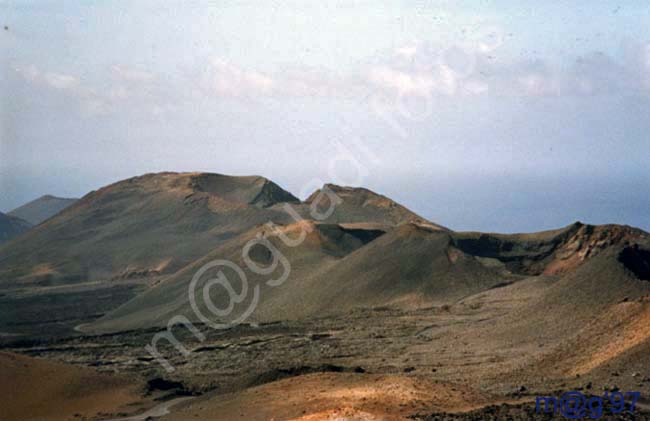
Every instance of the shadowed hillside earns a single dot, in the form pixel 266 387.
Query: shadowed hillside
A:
pixel 548 252
pixel 11 227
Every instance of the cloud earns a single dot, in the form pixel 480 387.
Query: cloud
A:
pixel 131 74
pixel 122 86
pixel 58 81
pixel 427 69
pixel 402 82
pixel 225 79
pixel 90 100
pixel 229 80
pixel 478 68
pixel 315 82
pixel 537 84
pixel 407 51
pixel 475 67
pixel 31 73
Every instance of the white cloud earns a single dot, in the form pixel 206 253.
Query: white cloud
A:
pixel 407 51
pixel 230 80
pixel 478 67
pixel 427 70
pixel 538 84
pixel 474 68
pixel 31 73
pixel 59 81
pixel 402 82
pixel 131 74
pixel 91 102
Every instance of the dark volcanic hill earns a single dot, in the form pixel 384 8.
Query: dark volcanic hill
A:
pixel 548 252
pixel 369 252
pixel 143 226
pixel 409 266
pixel 356 204
pixel 334 270
pixel 346 291
pixel 41 209
pixel 156 224
pixel 11 227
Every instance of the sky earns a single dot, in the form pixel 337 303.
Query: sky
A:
pixel 508 116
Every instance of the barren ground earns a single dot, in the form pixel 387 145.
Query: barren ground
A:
pixel 379 363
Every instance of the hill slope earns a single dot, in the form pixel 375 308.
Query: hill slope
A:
pixel 356 204
pixel 335 269
pixel 409 266
pixel 11 227
pixel 143 226
pixel 42 208
pixel 156 224
pixel 41 389
pixel 548 252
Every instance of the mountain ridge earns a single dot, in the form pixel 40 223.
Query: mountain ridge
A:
pixel 157 223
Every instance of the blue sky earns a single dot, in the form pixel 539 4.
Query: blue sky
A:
pixel 481 115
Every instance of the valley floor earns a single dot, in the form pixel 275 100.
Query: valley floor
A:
pixel 379 363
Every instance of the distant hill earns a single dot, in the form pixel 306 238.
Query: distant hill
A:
pixel 11 226
pixel 143 226
pixel 42 208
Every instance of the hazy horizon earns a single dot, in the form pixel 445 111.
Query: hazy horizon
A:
pixel 512 118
